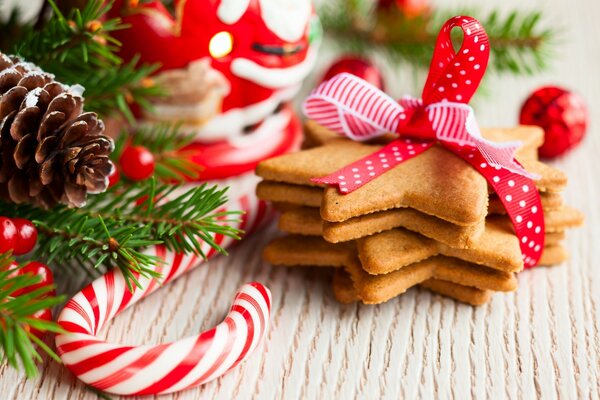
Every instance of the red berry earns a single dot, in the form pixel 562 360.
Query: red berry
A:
pixel 8 235
pixel 41 270
pixel 26 236
pixel 562 114
pixel 137 163
pixel 114 177
pixel 357 66
pixel 41 315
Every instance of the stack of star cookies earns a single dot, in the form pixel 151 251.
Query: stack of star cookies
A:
pixel 431 221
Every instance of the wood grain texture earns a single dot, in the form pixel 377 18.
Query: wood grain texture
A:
pixel 541 342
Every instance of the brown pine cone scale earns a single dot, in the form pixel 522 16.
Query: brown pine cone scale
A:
pixel 51 151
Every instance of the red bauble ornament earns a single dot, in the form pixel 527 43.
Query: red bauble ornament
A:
pixel 26 236
pixel 358 66
pixel 137 163
pixel 41 270
pixel 561 113
pixel 8 235
pixel 410 8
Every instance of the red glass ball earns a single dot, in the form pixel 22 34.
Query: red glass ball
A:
pixel 357 66
pixel 137 163
pixel 8 235
pixel 36 269
pixel 26 236
pixel 562 115
pixel 410 8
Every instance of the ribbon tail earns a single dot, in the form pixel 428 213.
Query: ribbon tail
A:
pixel 519 196
pixel 455 123
pixel 502 155
pixel 496 154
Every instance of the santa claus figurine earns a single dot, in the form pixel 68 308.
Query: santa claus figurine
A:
pixel 229 68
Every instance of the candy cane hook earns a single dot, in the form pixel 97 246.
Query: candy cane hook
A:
pixel 170 367
pixel 163 368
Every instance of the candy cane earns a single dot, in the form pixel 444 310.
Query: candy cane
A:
pixel 170 367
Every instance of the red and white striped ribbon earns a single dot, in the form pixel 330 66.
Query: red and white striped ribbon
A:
pixel 169 367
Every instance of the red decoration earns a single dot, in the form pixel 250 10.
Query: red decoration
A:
pixel 356 66
pixel 114 177
pixel 410 8
pixel 561 113
pixel 46 277
pixel 137 163
pixel 36 269
pixel 8 235
pixel 26 236
pixel 41 315
pixel 350 106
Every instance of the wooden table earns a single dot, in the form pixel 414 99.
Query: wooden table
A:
pixel 542 341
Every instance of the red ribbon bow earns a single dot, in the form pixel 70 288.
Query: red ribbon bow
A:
pixel 350 106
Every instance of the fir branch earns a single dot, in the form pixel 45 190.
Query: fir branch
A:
pixel 181 218
pixel 519 43
pixel 18 346
pixel 114 228
pixel 78 49
pixel 91 240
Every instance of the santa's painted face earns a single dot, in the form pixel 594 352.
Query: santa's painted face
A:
pixel 262 49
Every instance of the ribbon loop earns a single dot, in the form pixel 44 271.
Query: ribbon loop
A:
pixel 348 105
pixel 456 76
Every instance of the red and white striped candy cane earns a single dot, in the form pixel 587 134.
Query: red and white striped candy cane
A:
pixel 169 367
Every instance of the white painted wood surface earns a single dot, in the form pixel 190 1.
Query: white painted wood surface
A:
pixel 542 341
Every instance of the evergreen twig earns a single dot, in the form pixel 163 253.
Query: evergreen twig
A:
pixel 519 42
pixel 115 227
pixel 79 49
pixel 18 345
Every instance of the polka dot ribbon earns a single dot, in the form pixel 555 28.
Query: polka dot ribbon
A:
pixel 350 106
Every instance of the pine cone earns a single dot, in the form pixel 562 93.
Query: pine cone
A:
pixel 51 151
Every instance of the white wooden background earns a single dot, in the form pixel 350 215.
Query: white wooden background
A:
pixel 542 341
